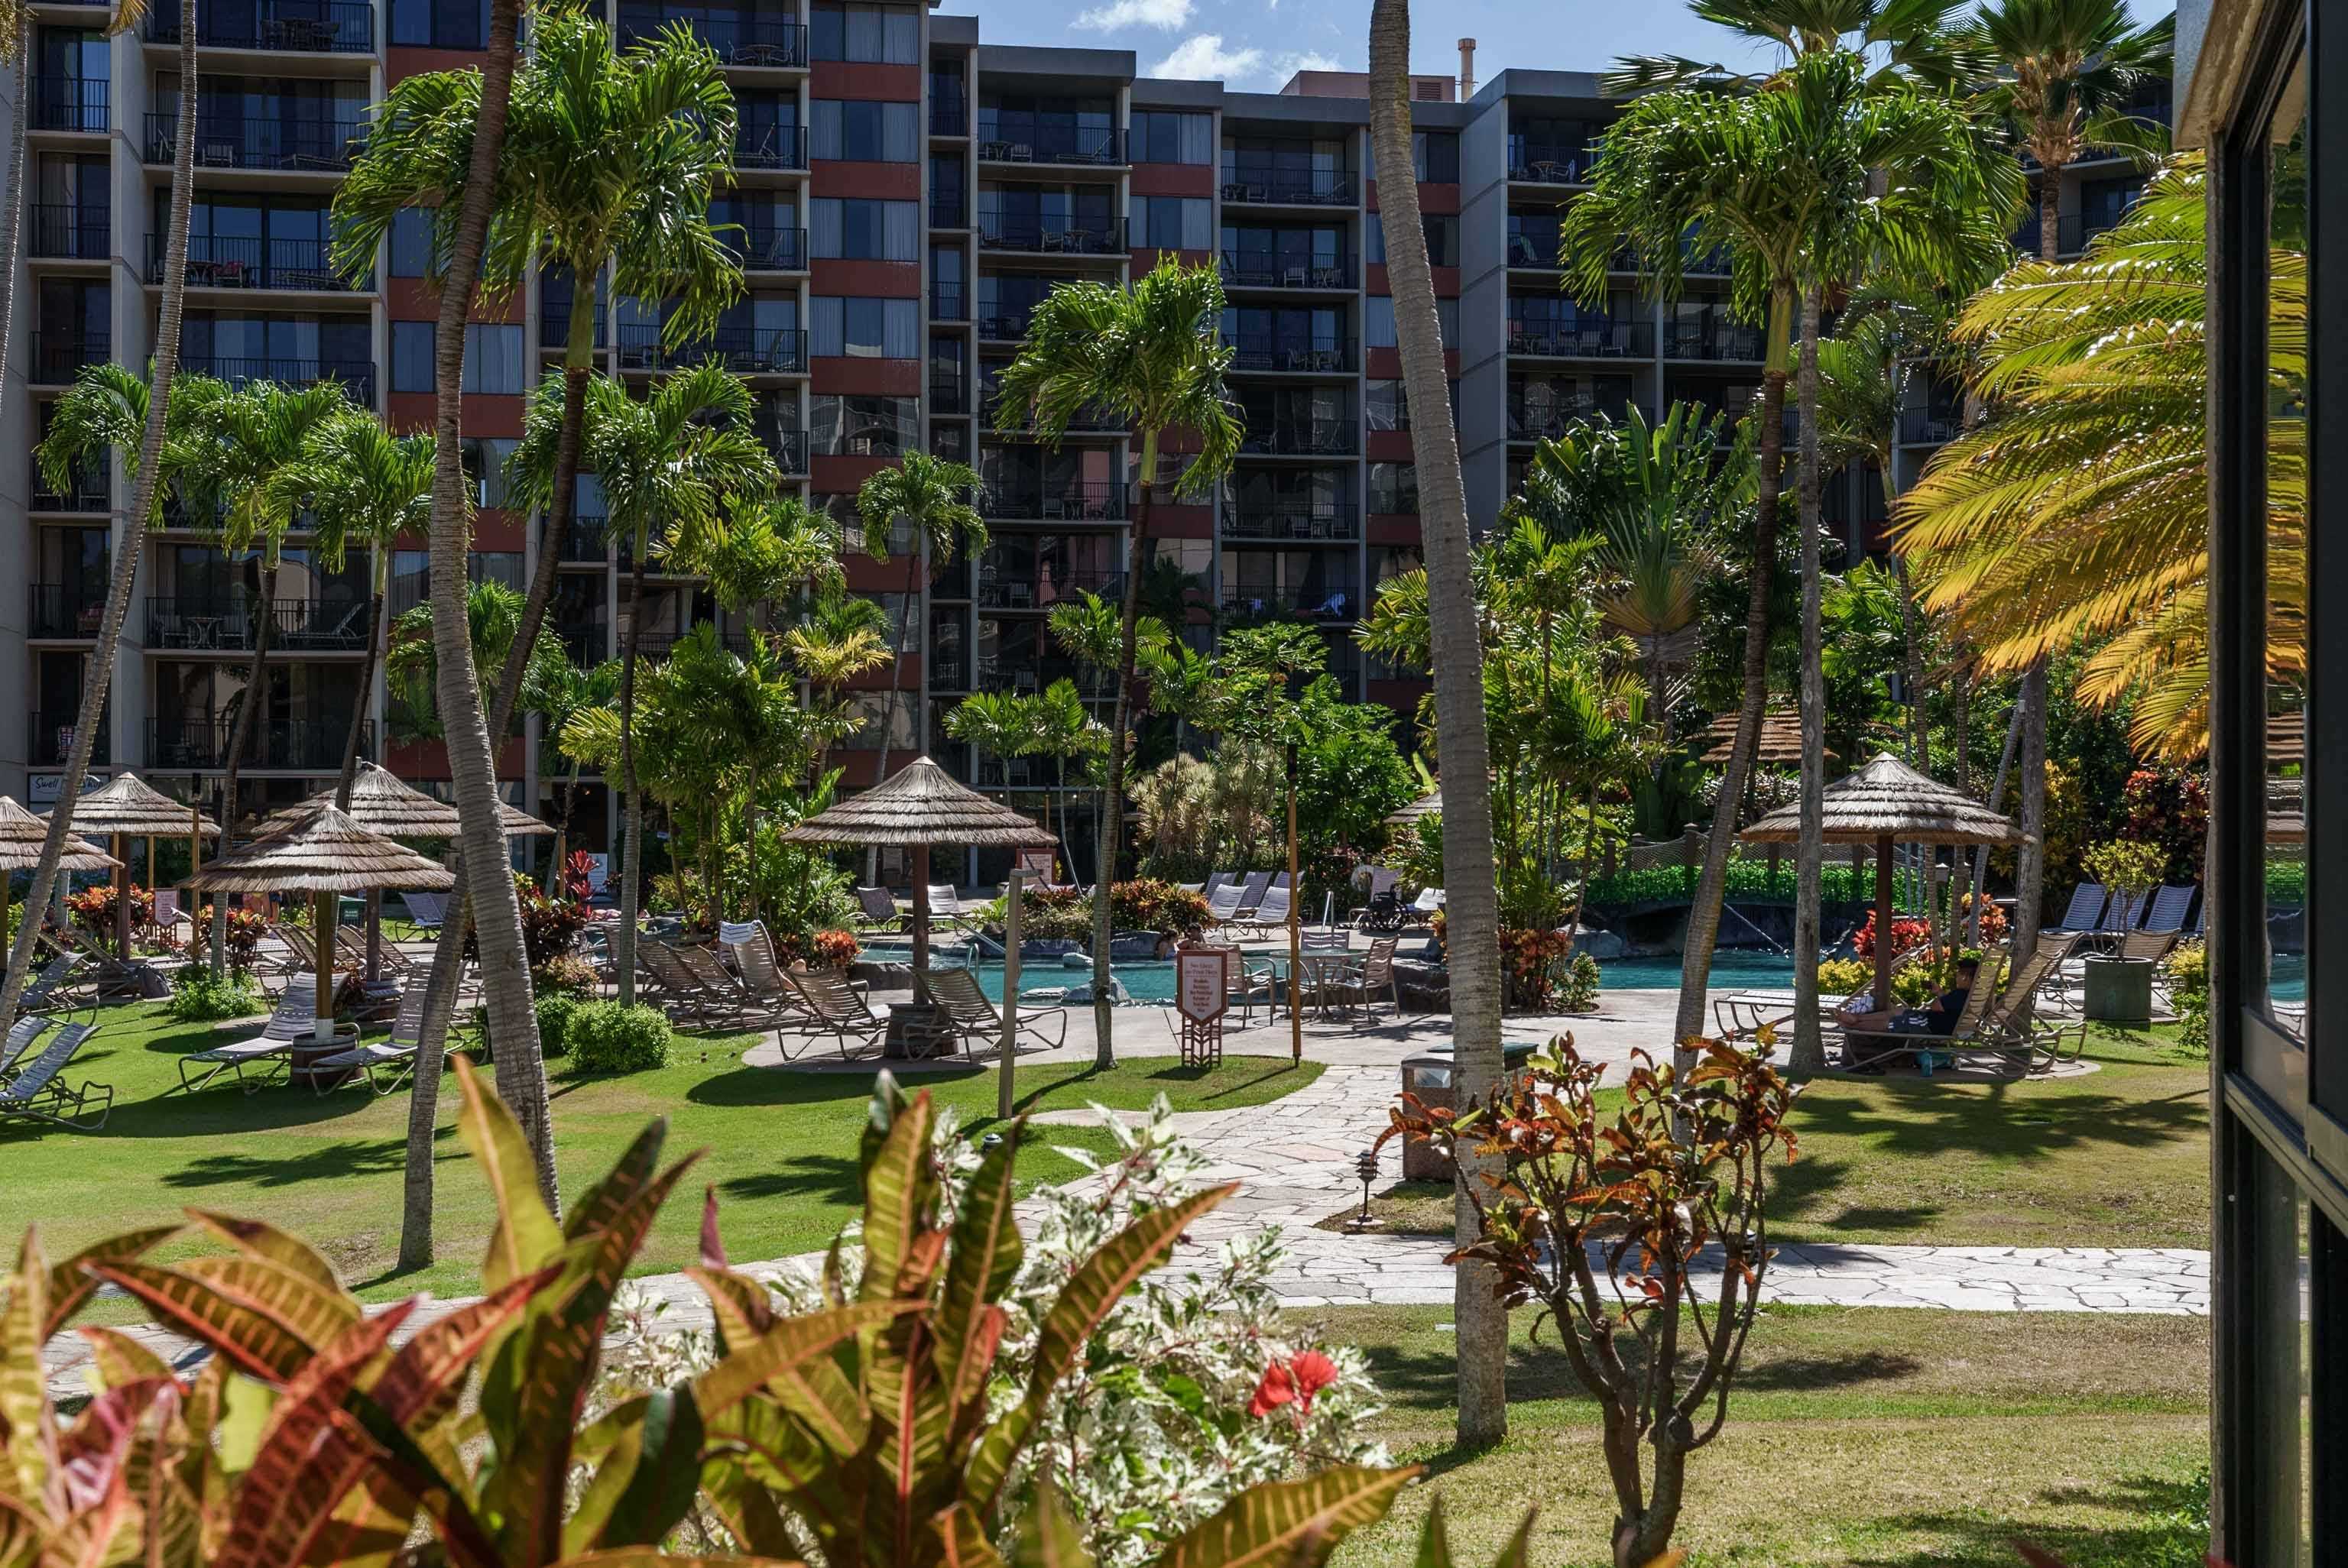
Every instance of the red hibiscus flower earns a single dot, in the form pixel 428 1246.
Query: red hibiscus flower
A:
pixel 1295 1380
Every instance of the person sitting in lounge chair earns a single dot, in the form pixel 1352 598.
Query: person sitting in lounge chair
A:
pixel 1940 1018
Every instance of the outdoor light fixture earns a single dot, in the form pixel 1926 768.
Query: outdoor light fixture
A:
pixel 1365 1165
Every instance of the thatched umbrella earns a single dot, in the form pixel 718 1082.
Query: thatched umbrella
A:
pixel 1781 739
pixel 128 807
pixel 1425 805
pixel 23 835
pixel 318 850
pixel 916 808
pixel 1885 803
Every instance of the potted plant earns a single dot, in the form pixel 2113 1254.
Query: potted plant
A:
pixel 2119 989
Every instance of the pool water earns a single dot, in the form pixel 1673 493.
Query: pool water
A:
pixel 1152 984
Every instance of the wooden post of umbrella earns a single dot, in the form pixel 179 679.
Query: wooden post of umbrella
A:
pixel 1004 1099
pixel 921 922
pixel 1295 930
pixel 323 905
pixel 121 902
pixel 1883 922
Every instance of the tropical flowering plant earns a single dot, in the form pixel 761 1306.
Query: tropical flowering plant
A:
pixel 1906 933
pixel 820 949
pixel 1993 920
pixel 93 908
pixel 245 928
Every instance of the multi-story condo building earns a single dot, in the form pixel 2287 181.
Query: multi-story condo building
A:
pixel 905 194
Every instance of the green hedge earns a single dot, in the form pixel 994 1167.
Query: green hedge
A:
pixel 605 1036
pixel 1747 879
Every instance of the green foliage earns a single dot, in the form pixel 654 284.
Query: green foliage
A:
pixel 1577 988
pixel 555 1011
pixel 2126 867
pixel 1143 904
pixel 2188 979
pixel 199 995
pixel 1747 880
pixel 1844 977
pixel 1915 986
pixel 2286 884
pixel 605 1036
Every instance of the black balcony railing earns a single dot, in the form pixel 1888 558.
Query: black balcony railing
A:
pixel 1242 271
pixel 222 261
pixel 285 745
pixel 1097 502
pixel 998 415
pixel 1284 520
pixel 1316 357
pixel 1318 601
pixel 300 26
pixel 769 146
pixel 949 116
pixel 1312 188
pixel 948 302
pixel 67 103
pixel 789 448
pixel 749 351
pixel 767 247
pixel 585 543
pixel 744 39
pixel 1928 426
pixel 588 646
pixel 1548 423
pixel 1582 340
pixel 1100 237
pixel 1713 340
pixel 1063 144
pixel 948 210
pixel 213 623
pixel 225 141
pixel 87 492
pixel 1536 247
pixel 64 611
pixel 1544 165
pixel 1009 327
pixel 947 394
pixel 1302 439
pixel 1024 672
pixel 51 737
pixel 356 375
pixel 59 355
pixel 1036 586
pixel 81 231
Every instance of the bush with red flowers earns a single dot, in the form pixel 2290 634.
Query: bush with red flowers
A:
pixel 819 950
pixel 242 942
pixel 2168 807
pixel 1295 1381
pixel 93 909
pixel 1906 932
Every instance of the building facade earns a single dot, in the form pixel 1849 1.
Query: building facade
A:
pixel 905 193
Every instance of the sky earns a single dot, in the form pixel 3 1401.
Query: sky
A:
pixel 1256 45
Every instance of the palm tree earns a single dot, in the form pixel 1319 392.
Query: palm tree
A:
pixel 609 159
pixel 1065 728
pixel 366 487
pixel 837 637
pixel 1907 40
pixel 558 690
pixel 1803 184
pixel 1001 725
pixel 2065 70
pixel 492 622
pixel 771 547
pixel 932 497
pixel 1147 356
pixel 1471 895
pixel 668 461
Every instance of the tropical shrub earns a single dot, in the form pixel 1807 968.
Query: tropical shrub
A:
pixel 1844 977
pixel 2189 988
pixel 1144 904
pixel 565 972
pixel 1906 932
pixel 830 949
pixel 2128 868
pixel 93 909
pixel 1533 963
pixel 605 1037
pixel 555 1010
pixel 2169 807
pixel 241 941
pixel 2286 883
pixel 1915 986
pixel 1993 919
pixel 199 995
pixel 1577 988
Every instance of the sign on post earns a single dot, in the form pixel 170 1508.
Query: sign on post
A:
pixel 1202 994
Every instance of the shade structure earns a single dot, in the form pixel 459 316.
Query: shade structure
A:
pixel 1425 805
pixel 381 803
pixel 918 807
pixel 22 835
pixel 1781 739
pixel 1883 804
pixel 127 806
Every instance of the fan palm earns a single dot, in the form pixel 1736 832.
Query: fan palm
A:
pixel 931 497
pixel 1146 355
pixel 1909 40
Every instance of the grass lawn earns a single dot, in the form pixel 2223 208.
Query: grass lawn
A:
pixel 2116 1158
pixel 1856 1435
pixel 781 1147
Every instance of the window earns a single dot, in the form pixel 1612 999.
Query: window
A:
pixel 411 356
pixel 864 329
pixel 411 575
pixel 1172 222
pixel 854 130
pixel 1434 154
pixel 485 458
pixel 411 243
pixel 441 23
pixel 1378 322
pixel 862 426
pixel 1442 231
pixel 1383 406
pixel 855 230
pixel 1393 487
pixel 878 35
pixel 493 358
pixel 1167 136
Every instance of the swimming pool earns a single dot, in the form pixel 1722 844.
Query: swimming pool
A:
pixel 1152 984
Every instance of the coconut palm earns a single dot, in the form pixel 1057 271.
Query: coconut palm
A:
pixel 932 498
pixel 1803 185
pixel 366 487
pixel 1145 355
pixel 1472 898
pixel 2064 73
pixel 1907 40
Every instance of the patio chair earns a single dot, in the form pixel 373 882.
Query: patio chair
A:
pixel 2167 913
pixel 350 953
pixel 977 1021
pixel 41 1095
pixel 946 907
pixel 56 991
pixel 270 1053
pixel 20 1040
pixel 2083 915
pixel 1741 1015
pixel 2000 1023
pixel 839 1011
pixel 1215 883
pixel 1362 986
pixel 297 955
pixel 1224 903
pixel 383 1065
pixel 426 910
pixel 723 999
pixel 880 911
pixel 1273 911
pixel 1252 892
pixel 763 979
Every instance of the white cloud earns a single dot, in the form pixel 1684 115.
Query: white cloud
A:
pixel 1287 66
pixel 1201 56
pixel 1166 14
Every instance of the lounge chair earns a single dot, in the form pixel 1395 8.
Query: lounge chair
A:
pixel 425 911
pixel 946 905
pixel 698 982
pixel 1223 904
pixel 979 1022
pixel 350 953
pixel 1361 986
pixel 57 989
pixel 1272 912
pixel 1423 909
pixel 20 1040
pixel 2167 913
pixel 270 1052
pixel 880 911
pixel 753 947
pixel 1215 883
pixel 300 957
pixel 839 1011
pixel 40 1092
pixel 1741 1015
pixel 1253 887
pixel 383 1065
pixel 1999 1024
pixel 2124 914
pixel 2085 913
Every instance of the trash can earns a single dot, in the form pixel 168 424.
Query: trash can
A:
pixel 1428 1076
pixel 2118 990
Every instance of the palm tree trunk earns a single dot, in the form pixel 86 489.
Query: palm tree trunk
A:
pixel 1808 1052
pixel 11 221
pixel 578 369
pixel 2030 861
pixel 632 852
pixel 1996 800
pixel 98 673
pixel 1112 814
pixel 1703 912
pixel 367 667
pixel 240 736
pixel 1472 899
pixel 1912 626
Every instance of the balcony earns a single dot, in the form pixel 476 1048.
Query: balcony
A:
pixel 586 645
pixel 1714 341
pixel 1537 164
pixel 1086 421
pixel 82 232
pixel 1037 587
pixel 949 116
pixel 769 146
pixel 215 624
pixel 287 745
pixel 88 492
pixel 1064 145
pixel 948 302
pixel 948 210
pixel 1025 671
pixel 766 247
pixel 58 355
pixel 746 351
pixel 947 396
pixel 222 261
pixel 295 27
pixel 1302 439
pixel 63 613
pixel 1550 423
pixel 661 644
pixel 357 376
pixel 741 39
pixel 789 448
pixel 1322 601
pixel 1242 271
pixel 1288 355
pixel 67 104
pixel 296 146
pixel 1007 328
pixel 1104 237
pixel 50 736
pixel 1312 188
pixel 1928 426
pixel 1532 247
pixel 1097 502
pixel 1287 523
pixel 1582 340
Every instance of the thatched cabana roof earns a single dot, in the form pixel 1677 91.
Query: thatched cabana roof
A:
pixel 315 848
pixel 381 803
pixel 1425 805
pixel 2286 740
pixel 1781 739
pixel 1888 799
pixel 127 803
pixel 22 835
pixel 923 804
